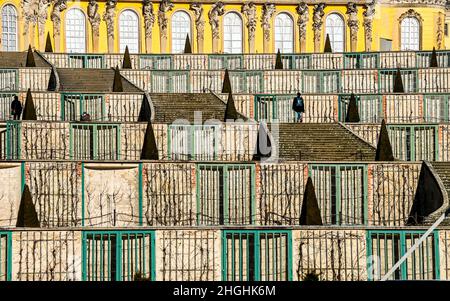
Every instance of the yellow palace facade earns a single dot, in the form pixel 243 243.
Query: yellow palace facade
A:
pixel 228 26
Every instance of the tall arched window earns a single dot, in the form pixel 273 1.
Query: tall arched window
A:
pixel 410 34
pixel 129 31
pixel 232 33
pixel 9 28
pixel 181 27
pixel 335 28
pixel 75 31
pixel 284 33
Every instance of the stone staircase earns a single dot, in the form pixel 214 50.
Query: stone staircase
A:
pixel 169 107
pixel 91 80
pixel 19 59
pixel 321 142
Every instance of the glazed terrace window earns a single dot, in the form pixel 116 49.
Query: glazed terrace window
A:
pixel 341 192
pixel 225 194
pixel 5 105
pixel 118 255
pixel 129 31
pixel 284 33
pixel 370 107
pixel 9 28
pixel 232 33
pixel 181 27
pixel 414 142
pixel 5 256
pixel 75 31
pixel 193 142
pixel 385 248
pixel 252 255
pixel 74 105
pixel 410 34
pixel 94 141
pixel 335 28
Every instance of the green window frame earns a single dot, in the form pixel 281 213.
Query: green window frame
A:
pixel 91 141
pixel 225 61
pixel 256 255
pixel 296 61
pixel 247 81
pixel 423 59
pixel 79 60
pixel 341 191
pixel 9 80
pixel 193 142
pixel 156 62
pixel 321 81
pixel 225 194
pixel 354 60
pixel 118 255
pixel 168 81
pixel 5 105
pixel 271 107
pixel 385 248
pixel 435 108
pixel 404 140
pixel 386 78
pixel 73 105
pixel 370 107
pixel 5 256
pixel 13 139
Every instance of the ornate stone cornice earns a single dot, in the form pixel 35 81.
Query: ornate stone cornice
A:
pixel 411 13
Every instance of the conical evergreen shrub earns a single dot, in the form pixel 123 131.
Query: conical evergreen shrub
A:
pixel 117 84
pixel 48 44
pixel 187 45
pixel 310 214
pixel 52 81
pixel 126 64
pixel 327 47
pixel 30 58
pixel 29 111
pixel 263 143
pixel 384 148
pixel 149 147
pixel 278 61
pixel 352 110
pixel 27 215
pixel 398 82
pixel 230 112
pixel 145 111
pixel 226 86
pixel 433 59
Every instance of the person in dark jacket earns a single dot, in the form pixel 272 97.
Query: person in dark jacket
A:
pixel 298 105
pixel 16 108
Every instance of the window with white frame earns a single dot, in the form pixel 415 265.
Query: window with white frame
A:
pixel 335 28
pixel 232 33
pixel 129 31
pixel 181 27
pixel 9 28
pixel 75 31
pixel 284 33
pixel 410 34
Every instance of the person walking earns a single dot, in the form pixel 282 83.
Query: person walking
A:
pixel 298 105
pixel 16 108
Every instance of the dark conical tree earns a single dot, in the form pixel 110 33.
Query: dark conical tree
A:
pixel 149 148
pixel 52 81
pixel 226 86
pixel 187 45
pixel 145 111
pixel 29 111
pixel 278 61
pixel 126 64
pixel 48 44
pixel 310 214
pixel 263 143
pixel 327 47
pixel 27 216
pixel 433 59
pixel 398 82
pixel 230 111
pixel 30 58
pixel 384 148
pixel 117 85
pixel 352 110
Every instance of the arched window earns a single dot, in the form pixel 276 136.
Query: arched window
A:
pixel 75 31
pixel 335 28
pixel 410 34
pixel 284 33
pixel 129 31
pixel 181 27
pixel 232 33
pixel 9 28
